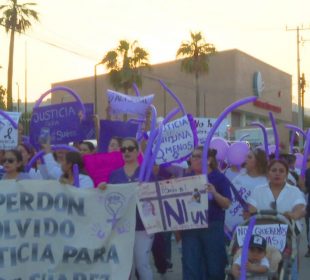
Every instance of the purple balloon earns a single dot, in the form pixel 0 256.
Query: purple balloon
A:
pixel 306 153
pixel 299 160
pixel 237 153
pixel 221 146
pixel 245 248
pixel 41 153
pixel 148 149
pixel 76 179
pixel 295 129
pixel 173 95
pixel 264 136
pixel 276 135
pixel 6 116
pixel 59 88
pixel 217 124
pixel 136 89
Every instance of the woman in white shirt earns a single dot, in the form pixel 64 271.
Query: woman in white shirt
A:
pixel 280 196
pixel 253 175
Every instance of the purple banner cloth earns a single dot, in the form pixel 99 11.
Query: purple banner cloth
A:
pixel 108 129
pixel 62 123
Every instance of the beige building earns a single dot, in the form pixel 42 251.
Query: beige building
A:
pixel 233 75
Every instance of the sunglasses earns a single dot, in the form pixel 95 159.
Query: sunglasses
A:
pixel 9 160
pixel 129 149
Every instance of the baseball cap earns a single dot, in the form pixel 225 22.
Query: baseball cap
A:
pixel 258 241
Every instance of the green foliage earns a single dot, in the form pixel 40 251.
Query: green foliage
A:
pixel 2 97
pixel 123 64
pixel 194 56
pixel 15 18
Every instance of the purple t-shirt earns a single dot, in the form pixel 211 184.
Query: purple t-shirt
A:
pixel 221 184
pixel 119 176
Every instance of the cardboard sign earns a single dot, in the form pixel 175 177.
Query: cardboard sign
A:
pixel 175 204
pixel 54 231
pixel 275 234
pixel 178 141
pixel 8 134
pixel 204 125
pixel 125 104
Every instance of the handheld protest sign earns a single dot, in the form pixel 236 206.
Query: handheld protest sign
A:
pixel 61 123
pixel 264 135
pixel 8 130
pixel 125 104
pixel 41 153
pixel 223 115
pixel 276 135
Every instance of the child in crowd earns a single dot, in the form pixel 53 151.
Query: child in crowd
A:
pixel 257 261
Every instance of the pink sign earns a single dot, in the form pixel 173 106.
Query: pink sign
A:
pixel 100 165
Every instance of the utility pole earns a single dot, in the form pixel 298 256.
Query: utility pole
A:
pixel 300 109
pixel 302 92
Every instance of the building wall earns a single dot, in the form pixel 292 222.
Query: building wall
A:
pixel 229 79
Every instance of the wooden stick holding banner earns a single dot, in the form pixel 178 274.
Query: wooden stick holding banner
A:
pixel 41 153
pixel 264 136
pixel 276 135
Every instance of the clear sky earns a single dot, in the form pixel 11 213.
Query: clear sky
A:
pixel 84 30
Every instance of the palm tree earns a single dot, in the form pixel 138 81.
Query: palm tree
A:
pixel 195 55
pixel 123 64
pixel 15 18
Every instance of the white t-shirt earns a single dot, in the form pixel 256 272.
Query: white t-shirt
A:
pixel 264 261
pixel 232 174
pixel 244 184
pixel 290 196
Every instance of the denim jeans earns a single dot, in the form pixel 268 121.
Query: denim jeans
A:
pixel 203 253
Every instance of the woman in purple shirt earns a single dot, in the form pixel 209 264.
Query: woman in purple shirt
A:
pixel 143 241
pixel 203 250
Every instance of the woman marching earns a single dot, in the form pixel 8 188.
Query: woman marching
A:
pixel 203 250
pixel 143 241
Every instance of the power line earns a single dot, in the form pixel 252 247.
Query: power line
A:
pixel 93 58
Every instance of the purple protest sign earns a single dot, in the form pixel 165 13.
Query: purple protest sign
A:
pixel 61 122
pixel 124 104
pixel 108 129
